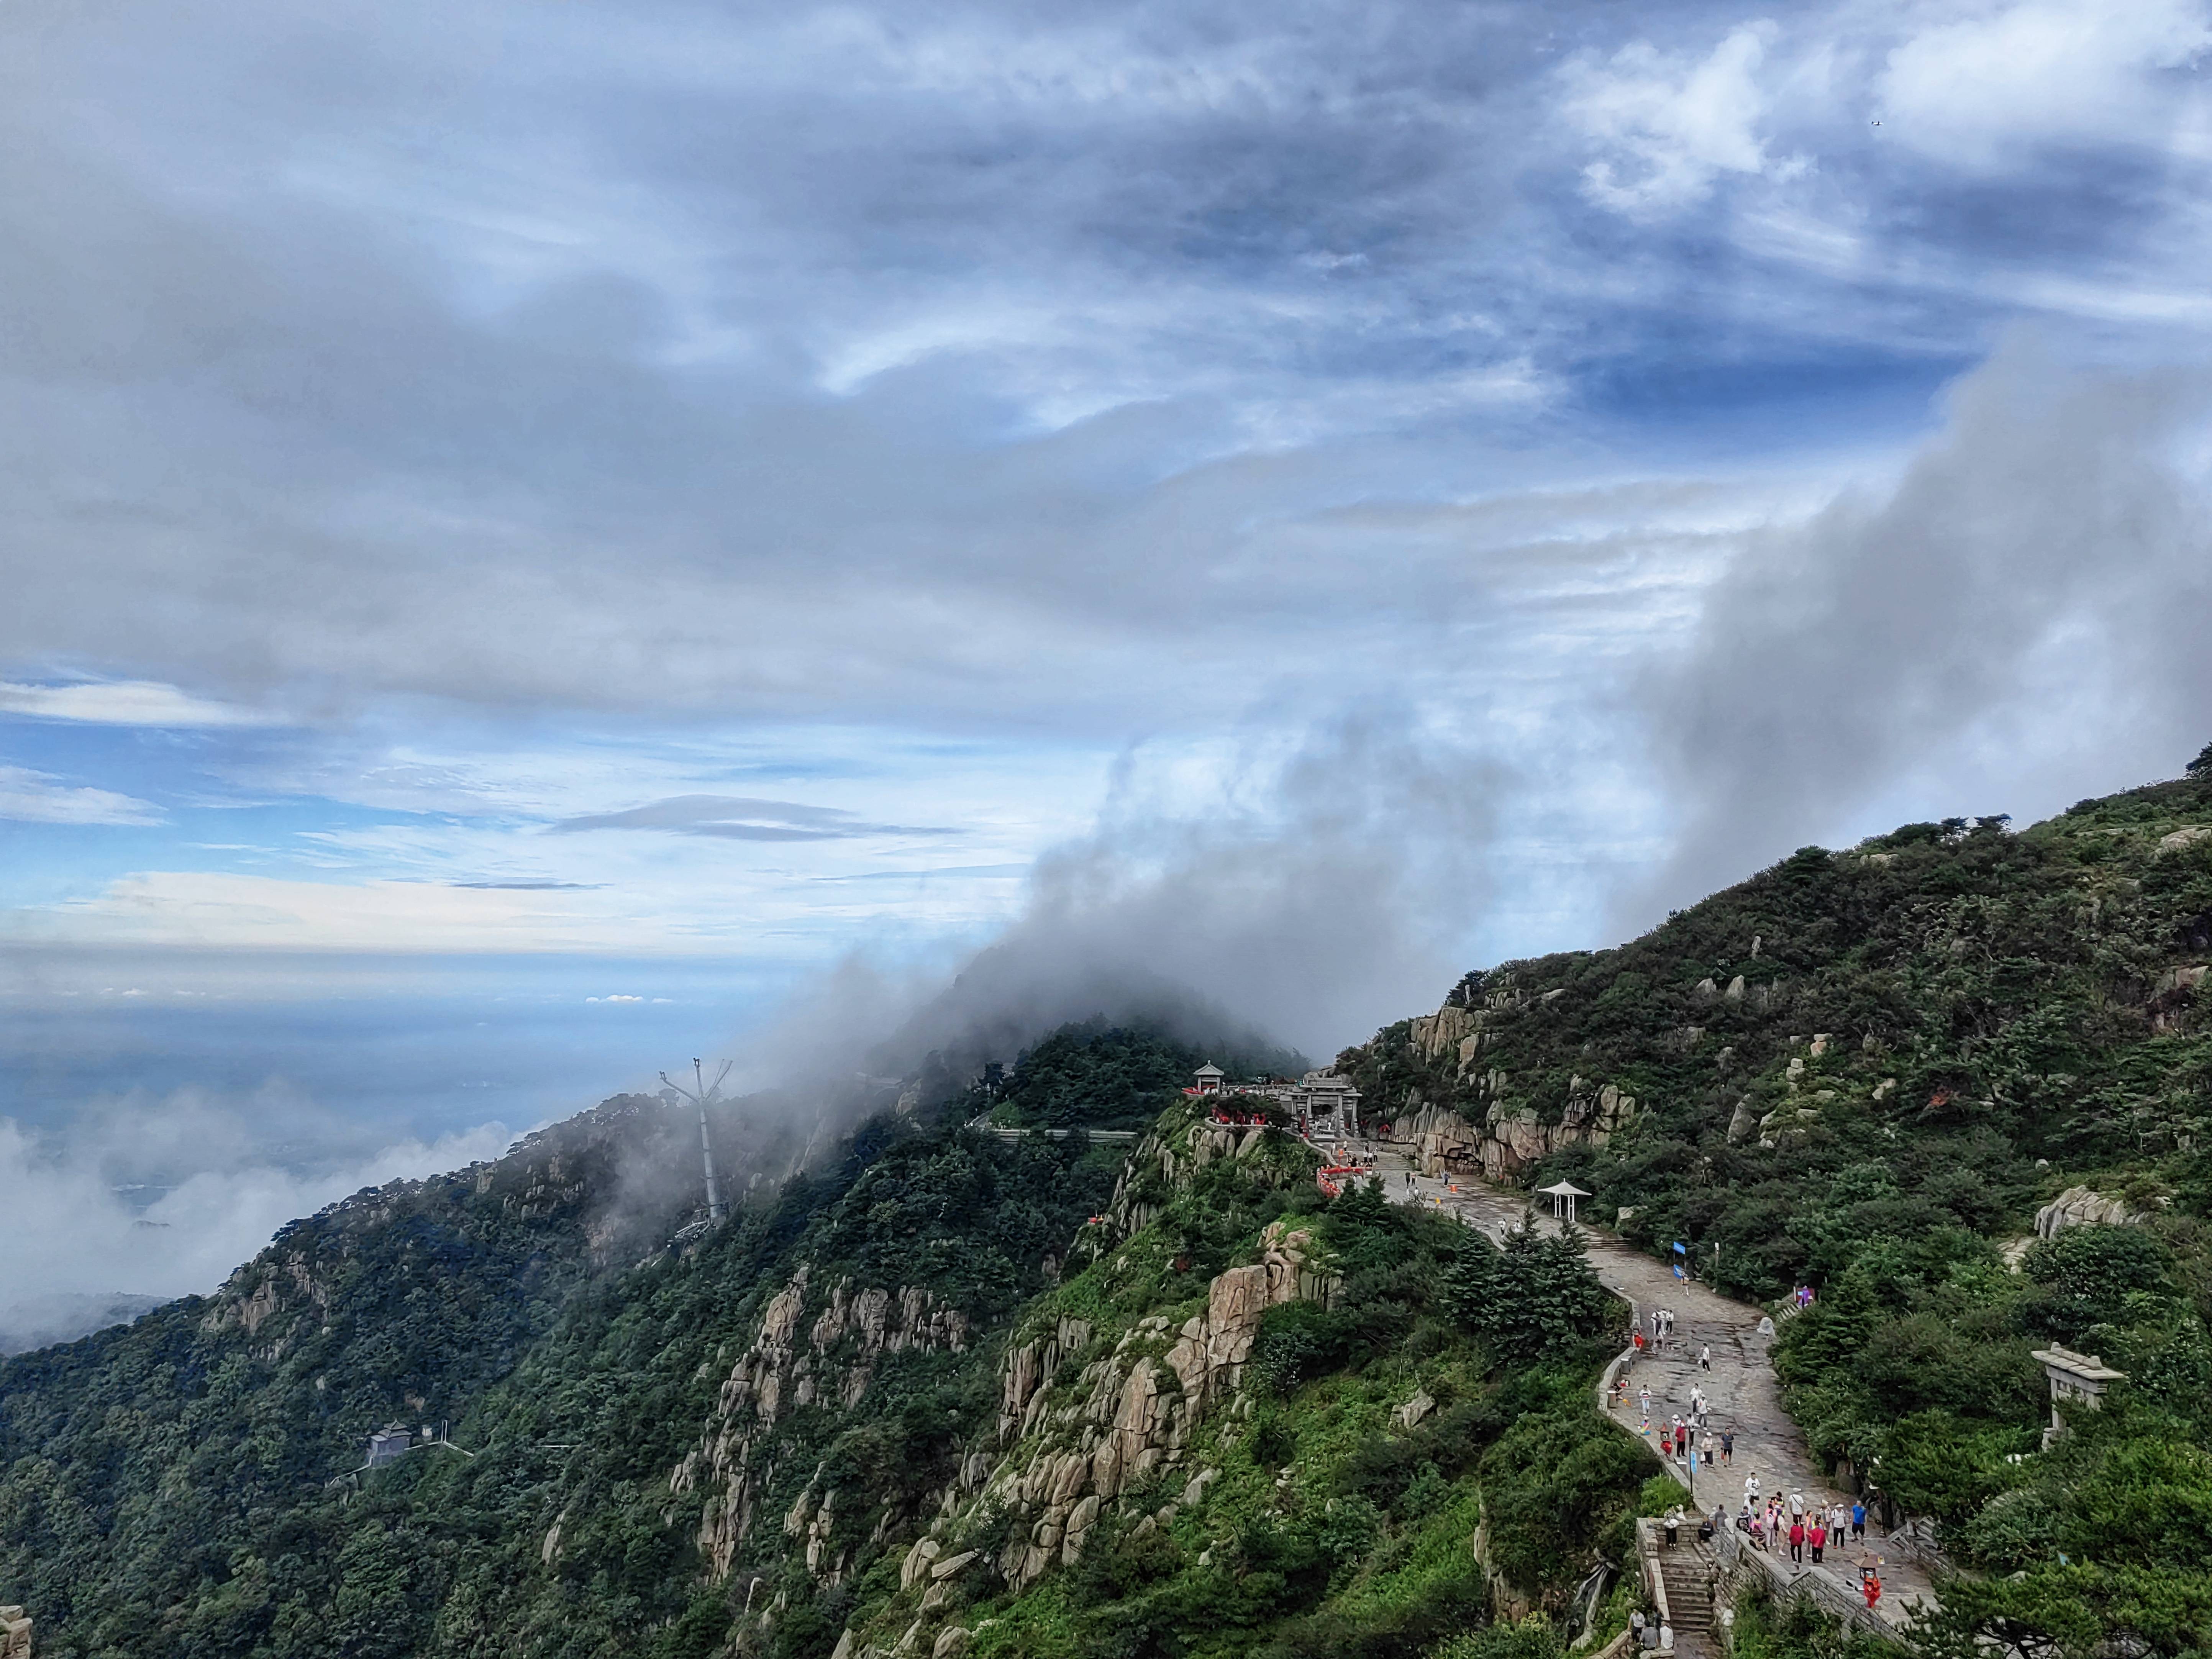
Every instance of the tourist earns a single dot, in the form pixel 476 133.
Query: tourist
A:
pixel 1751 1488
pixel 1728 1444
pixel 1838 1518
pixel 1706 1447
pixel 1870 1587
pixel 1704 1356
pixel 1636 1628
pixel 1674 1526
pixel 1858 1525
pixel 1817 1536
pixel 1796 1506
pixel 1797 1540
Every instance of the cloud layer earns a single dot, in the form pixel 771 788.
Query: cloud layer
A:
pixel 164 1198
pixel 1328 493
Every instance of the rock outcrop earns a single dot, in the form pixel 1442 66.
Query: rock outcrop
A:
pixel 1511 1138
pixel 14 1634
pixel 1210 1352
pixel 1162 1161
pixel 1075 1444
pixel 792 1364
pixel 2085 1207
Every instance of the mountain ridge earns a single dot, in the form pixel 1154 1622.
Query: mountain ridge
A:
pixel 691 1441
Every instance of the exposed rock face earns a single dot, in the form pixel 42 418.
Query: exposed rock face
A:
pixel 1088 1420
pixel 1127 1411
pixel 1209 1357
pixel 263 1287
pixel 1743 1122
pixel 1433 1035
pixel 1025 1370
pixel 1413 1410
pixel 14 1634
pixel 1160 1161
pixel 1511 1139
pixel 792 1364
pixel 2185 838
pixel 2085 1207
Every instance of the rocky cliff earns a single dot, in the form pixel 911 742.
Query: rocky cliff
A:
pixel 1505 1136
pixel 1097 1413
pixel 812 1349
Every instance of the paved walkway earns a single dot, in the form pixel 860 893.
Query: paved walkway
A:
pixel 1741 1388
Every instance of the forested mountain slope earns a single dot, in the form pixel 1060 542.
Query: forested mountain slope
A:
pixel 941 1392
pixel 662 1440
pixel 1869 1072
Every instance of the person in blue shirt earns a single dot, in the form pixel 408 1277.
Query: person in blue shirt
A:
pixel 1859 1524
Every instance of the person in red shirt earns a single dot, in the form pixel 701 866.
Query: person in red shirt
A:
pixel 1817 1536
pixel 1870 1587
pixel 1797 1541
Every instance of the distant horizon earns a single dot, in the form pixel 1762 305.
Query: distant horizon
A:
pixel 540 549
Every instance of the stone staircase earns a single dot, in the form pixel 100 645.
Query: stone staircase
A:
pixel 1685 1573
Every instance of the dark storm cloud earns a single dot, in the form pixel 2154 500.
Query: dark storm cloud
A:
pixel 738 818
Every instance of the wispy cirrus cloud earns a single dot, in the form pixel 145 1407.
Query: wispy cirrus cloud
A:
pixel 125 702
pixel 32 797
pixel 744 817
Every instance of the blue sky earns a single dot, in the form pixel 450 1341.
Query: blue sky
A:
pixel 534 536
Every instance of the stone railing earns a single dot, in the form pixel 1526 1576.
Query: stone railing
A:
pixel 1620 1363
pixel 1915 1541
pixel 1742 1567
pixel 1647 1562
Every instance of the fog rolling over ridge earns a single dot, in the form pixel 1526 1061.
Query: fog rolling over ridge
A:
pixel 1290 914
pixel 831 535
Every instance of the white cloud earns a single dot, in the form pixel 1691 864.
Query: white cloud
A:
pixel 1990 84
pixel 219 908
pixel 29 797
pixel 125 702
pixel 66 1225
pixel 1671 124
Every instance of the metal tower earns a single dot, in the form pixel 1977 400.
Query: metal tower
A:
pixel 703 1096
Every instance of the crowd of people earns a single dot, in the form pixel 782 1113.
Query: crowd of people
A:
pixel 1771 1522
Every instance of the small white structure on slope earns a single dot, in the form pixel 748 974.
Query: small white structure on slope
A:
pixel 2074 1376
pixel 1563 1194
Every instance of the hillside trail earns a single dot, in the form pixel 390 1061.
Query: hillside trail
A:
pixel 1741 1388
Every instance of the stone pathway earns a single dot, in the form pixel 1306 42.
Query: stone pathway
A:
pixel 1741 1388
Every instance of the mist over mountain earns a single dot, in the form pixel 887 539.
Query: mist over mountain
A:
pixel 1954 1077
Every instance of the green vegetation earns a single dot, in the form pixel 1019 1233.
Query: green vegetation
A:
pixel 162 1487
pixel 1109 1076
pixel 1331 1524
pixel 1796 1630
pixel 1864 1072
pixel 169 1489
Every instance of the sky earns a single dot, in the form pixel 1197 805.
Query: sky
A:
pixel 541 541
